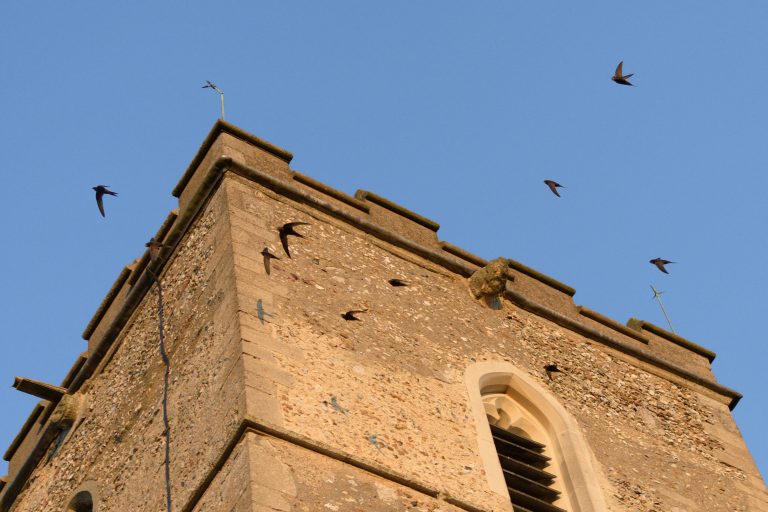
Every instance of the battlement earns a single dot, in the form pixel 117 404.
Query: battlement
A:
pixel 228 150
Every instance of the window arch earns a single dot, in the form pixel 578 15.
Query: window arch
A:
pixel 85 499
pixel 511 403
pixel 82 502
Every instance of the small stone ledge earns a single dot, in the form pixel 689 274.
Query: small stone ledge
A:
pixel 364 195
pixel 613 324
pixel 330 191
pixel 218 128
pixel 642 325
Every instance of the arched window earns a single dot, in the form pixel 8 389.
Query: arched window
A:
pixel 82 502
pixel 532 449
pixel 85 498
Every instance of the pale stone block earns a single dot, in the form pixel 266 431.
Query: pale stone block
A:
pixel 265 369
pixel 262 407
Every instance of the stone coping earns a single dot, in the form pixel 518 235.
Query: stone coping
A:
pixel 463 254
pixel 611 323
pixel 125 273
pixel 24 430
pixel 554 283
pixel 223 126
pixel 642 325
pixel 365 195
pixel 330 191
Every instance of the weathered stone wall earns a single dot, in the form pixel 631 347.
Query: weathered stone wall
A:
pixel 286 477
pixel 400 371
pixel 120 441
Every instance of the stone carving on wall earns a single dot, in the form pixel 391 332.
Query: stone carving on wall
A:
pixel 489 282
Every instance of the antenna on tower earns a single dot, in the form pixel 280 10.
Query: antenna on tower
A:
pixel 212 85
pixel 657 296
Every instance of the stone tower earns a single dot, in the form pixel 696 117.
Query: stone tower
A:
pixel 454 390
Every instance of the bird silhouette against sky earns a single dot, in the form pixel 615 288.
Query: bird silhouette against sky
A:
pixel 100 191
pixel 287 230
pixel 619 78
pixel 553 186
pixel 660 264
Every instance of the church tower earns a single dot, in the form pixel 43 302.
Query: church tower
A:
pixel 368 366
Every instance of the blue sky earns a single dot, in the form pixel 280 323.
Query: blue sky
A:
pixel 456 111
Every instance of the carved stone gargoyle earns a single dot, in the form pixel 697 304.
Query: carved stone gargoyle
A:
pixel 66 411
pixel 489 282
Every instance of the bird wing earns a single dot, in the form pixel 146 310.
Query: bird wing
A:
pixel 617 74
pixel 266 263
pixel 100 202
pixel 660 266
pixel 284 241
pixel 294 224
pixel 553 187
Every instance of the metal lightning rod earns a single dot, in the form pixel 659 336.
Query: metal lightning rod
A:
pixel 212 85
pixel 657 296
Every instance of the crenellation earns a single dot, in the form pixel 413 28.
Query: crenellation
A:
pixel 341 197
pixel 21 446
pixel 400 220
pixel 542 293
pixel 611 324
pixel 141 264
pixel 109 299
pixel 463 254
pixel 247 148
pixel 658 332
pixel 21 436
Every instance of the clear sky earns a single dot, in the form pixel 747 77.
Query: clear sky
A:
pixel 456 111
